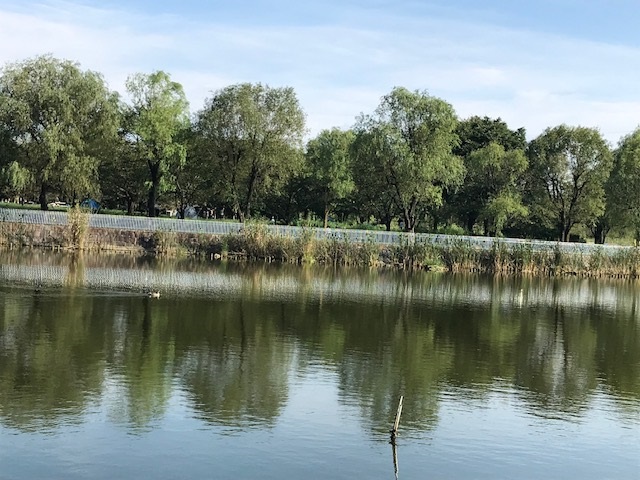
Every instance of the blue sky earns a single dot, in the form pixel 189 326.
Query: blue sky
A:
pixel 536 63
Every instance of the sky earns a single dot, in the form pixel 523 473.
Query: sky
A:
pixel 533 63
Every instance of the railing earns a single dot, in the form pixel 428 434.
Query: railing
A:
pixel 212 227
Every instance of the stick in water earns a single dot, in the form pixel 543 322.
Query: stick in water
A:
pixel 394 432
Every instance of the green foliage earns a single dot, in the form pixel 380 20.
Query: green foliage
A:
pixel 494 160
pixel 154 125
pixel 476 133
pixel 15 179
pixel 252 136
pixel 623 188
pixel 569 168
pixel 60 119
pixel 494 176
pixel 123 173
pixel 409 142
pixel 328 156
pixel 372 191
pixel 410 164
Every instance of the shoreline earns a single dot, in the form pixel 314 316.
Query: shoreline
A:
pixel 256 243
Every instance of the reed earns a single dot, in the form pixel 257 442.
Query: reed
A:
pixel 256 242
pixel 165 243
pixel 77 227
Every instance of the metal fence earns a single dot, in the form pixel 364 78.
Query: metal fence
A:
pixel 122 222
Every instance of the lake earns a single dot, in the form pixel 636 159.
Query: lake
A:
pixel 275 371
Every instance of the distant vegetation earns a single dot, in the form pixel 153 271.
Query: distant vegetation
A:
pixel 412 164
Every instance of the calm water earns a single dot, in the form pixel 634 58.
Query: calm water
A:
pixel 272 372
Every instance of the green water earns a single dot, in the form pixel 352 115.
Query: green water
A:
pixel 241 371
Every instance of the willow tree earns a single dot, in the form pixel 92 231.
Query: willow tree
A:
pixel 155 125
pixel 372 192
pixel 411 136
pixel 495 177
pixel 328 156
pixel 14 180
pixel 484 165
pixel 252 136
pixel 568 170
pixel 61 119
pixel 623 189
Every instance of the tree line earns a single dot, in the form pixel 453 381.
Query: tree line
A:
pixel 410 164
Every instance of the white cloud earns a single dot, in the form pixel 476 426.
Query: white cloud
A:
pixel 341 69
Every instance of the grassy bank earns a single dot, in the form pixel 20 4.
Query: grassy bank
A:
pixel 255 242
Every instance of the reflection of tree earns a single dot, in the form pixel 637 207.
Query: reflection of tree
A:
pixel 48 366
pixel 617 357
pixel 75 271
pixel 421 336
pixel 234 362
pixel 555 357
pixel 555 362
pixel 380 352
pixel 142 356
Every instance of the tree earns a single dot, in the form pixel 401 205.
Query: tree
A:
pixel 476 134
pixel 493 175
pixel 253 136
pixel 158 116
pixel 411 136
pixel 372 192
pixel 568 169
pixel 123 175
pixel 329 160
pixel 193 176
pixel 623 188
pixel 14 180
pixel 60 119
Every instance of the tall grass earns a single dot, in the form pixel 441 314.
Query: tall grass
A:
pixel 77 227
pixel 256 242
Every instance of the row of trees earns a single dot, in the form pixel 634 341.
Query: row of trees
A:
pixel 64 134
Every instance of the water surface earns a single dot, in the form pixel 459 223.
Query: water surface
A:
pixel 243 371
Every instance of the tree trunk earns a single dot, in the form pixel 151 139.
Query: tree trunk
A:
pixel 129 206
pixel 387 224
pixel 471 221
pixel 599 231
pixel 435 223
pixel 154 170
pixel 326 215
pixel 151 201
pixel 409 218
pixel 43 197
pixel 251 186
pixel 599 235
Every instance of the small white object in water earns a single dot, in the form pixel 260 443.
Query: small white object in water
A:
pixel 155 294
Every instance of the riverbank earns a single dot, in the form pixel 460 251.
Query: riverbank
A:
pixel 257 242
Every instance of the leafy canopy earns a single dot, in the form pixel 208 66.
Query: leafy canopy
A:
pixel 252 134
pixel 155 122
pixel 61 120
pixel 410 137
pixel 569 168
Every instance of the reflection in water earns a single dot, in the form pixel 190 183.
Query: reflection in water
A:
pixel 231 339
pixel 394 452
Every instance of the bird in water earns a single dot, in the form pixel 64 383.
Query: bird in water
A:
pixel 155 294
